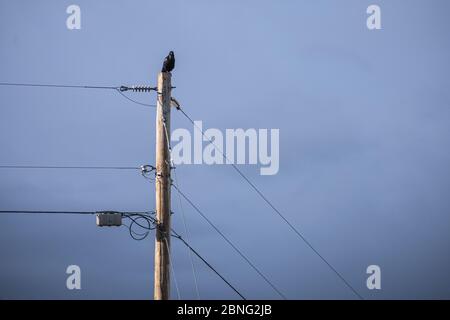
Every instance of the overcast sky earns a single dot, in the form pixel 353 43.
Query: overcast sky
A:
pixel 364 125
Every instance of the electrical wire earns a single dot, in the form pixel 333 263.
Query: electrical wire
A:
pixel 134 101
pixel 134 221
pixel 146 170
pixel 172 267
pixel 134 233
pixel 293 228
pixel 220 233
pixel 117 89
pixel 68 167
pixel 49 212
pixel 168 142
pixel 129 214
pixel 164 235
pixel 183 215
pixel 154 221
pixel 55 85
pixel 69 212
pixel 230 243
pixel 176 235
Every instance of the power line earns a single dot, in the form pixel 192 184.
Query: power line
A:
pixel 55 85
pixel 293 228
pixel 65 212
pixel 134 101
pixel 69 167
pixel 46 212
pixel 116 88
pixel 178 236
pixel 175 184
pixel 128 214
pixel 230 243
pixel 119 90
pixel 172 267
pixel 183 216
pixel 207 264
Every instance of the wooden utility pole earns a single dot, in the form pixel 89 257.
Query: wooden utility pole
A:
pixel 163 185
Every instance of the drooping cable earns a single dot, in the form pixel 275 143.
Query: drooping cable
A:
pixel 291 226
pixel 183 216
pixel 249 262
pixel 172 267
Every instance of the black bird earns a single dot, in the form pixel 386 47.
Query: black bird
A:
pixel 169 63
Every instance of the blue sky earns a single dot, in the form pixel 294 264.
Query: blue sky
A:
pixel 364 144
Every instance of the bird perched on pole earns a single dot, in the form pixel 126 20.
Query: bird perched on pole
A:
pixel 169 63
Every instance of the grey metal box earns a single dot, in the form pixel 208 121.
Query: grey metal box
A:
pixel 109 219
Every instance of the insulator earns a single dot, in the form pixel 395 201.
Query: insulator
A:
pixel 142 89
pixel 147 168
